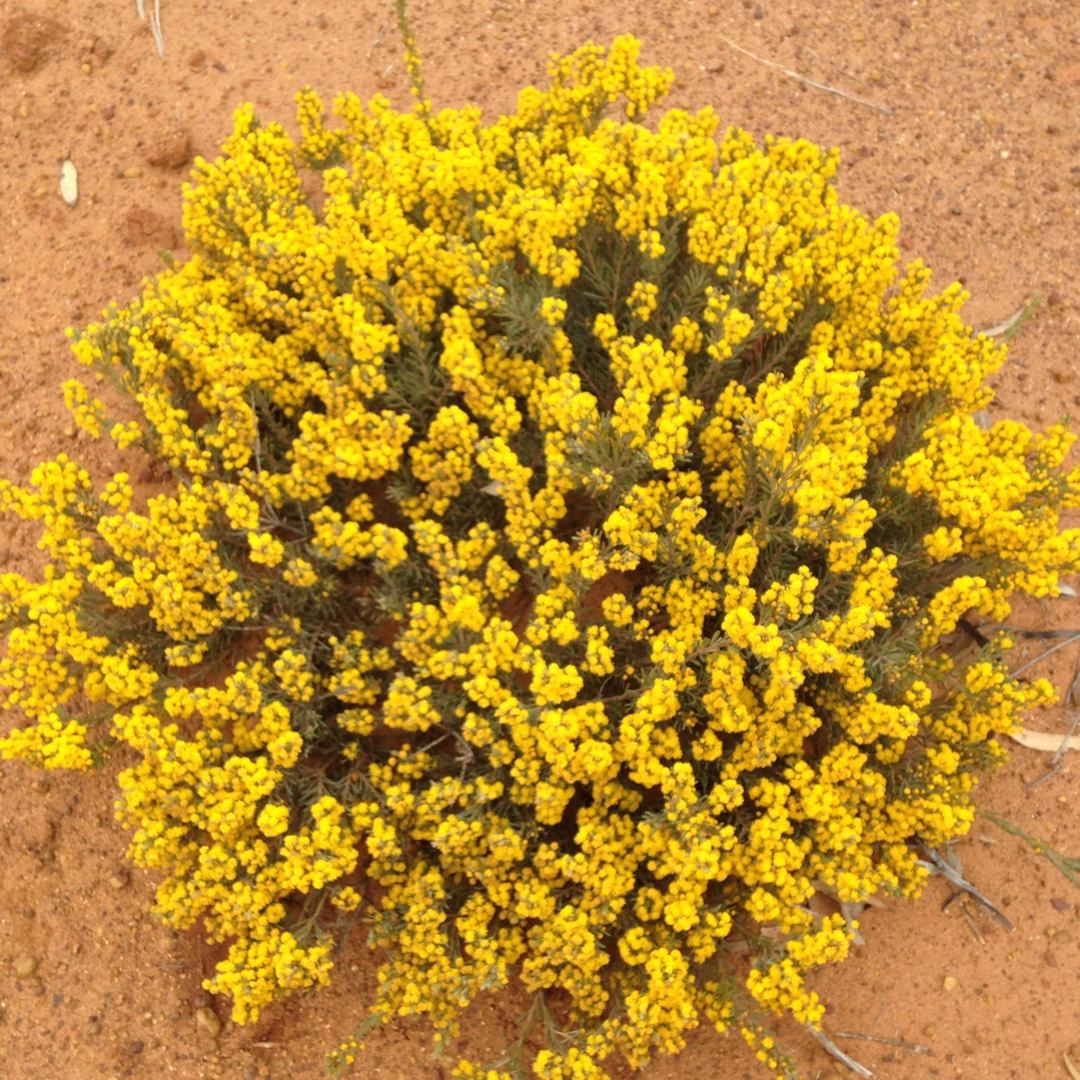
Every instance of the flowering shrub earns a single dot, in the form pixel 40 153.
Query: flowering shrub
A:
pixel 564 522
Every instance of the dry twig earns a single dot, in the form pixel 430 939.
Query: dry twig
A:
pixel 1043 655
pixel 940 866
pixel 915 1048
pixel 832 1048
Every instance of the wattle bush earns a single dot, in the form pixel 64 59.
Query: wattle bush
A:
pixel 564 517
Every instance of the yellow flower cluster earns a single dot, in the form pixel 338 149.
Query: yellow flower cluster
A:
pixel 566 518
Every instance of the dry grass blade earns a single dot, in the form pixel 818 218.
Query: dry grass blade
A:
pixel 375 43
pixel 836 1052
pixel 1005 325
pixel 1067 865
pixel 155 24
pixel 1012 325
pixel 155 29
pixel 809 82
pixel 1073 1071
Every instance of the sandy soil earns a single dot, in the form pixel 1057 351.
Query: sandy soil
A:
pixel 976 143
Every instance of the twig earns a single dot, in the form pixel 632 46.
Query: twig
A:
pixel 1055 761
pixel 946 871
pixel 1053 771
pixel 917 1048
pixel 1043 655
pixel 1070 698
pixel 832 1048
pixel 809 82
pixel 1059 753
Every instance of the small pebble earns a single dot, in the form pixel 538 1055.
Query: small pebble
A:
pixel 39 833
pixel 948 983
pixel 136 1046
pixel 119 879
pixel 94 1027
pixel 208 1020
pixel 1060 903
pixel 57 999
pixel 108 112
pixel 25 966
pixel 133 173
pixel 170 149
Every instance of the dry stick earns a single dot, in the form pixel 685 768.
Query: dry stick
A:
pixel 949 874
pixel 1059 752
pixel 839 1054
pixel 917 1048
pixel 1043 655
pixel 1055 761
pixel 1069 698
pixel 809 82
